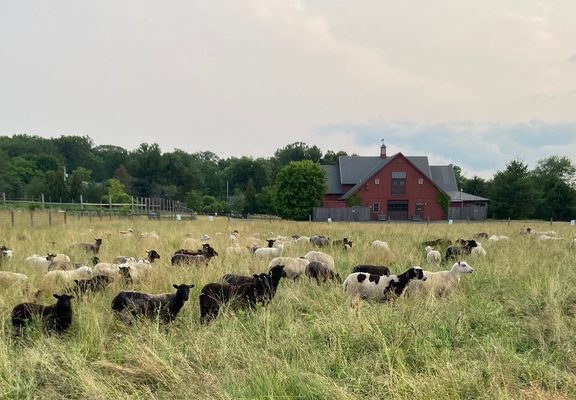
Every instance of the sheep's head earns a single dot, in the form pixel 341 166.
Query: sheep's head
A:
pixel 416 273
pixel 462 267
pixel 428 249
pixel 63 299
pixel 183 290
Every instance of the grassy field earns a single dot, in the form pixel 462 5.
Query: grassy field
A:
pixel 508 333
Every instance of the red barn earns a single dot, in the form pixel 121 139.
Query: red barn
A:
pixel 397 187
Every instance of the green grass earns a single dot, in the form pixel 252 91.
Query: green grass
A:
pixel 507 333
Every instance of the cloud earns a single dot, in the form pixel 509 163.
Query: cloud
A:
pixel 572 58
pixel 479 148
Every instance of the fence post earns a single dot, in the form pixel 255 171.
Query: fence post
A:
pixel 12 218
pixel 49 218
pixel 90 215
pixel 81 203
pixel 31 218
pixel 42 200
pixel 132 205
pixel 65 216
pixel 551 218
pixel 508 221
pixel 4 198
pixel 428 221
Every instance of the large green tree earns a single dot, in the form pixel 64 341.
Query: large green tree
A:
pixel 512 192
pixel 554 177
pixel 299 187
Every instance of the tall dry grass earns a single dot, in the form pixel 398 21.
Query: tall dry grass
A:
pixel 508 333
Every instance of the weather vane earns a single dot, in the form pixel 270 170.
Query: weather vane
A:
pixel 382 140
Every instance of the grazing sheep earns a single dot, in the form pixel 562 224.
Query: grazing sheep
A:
pixel 60 257
pixel 166 305
pixel 264 252
pixel 320 256
pixel 531 231
pixel 481 235
pixel 215 295
pixel 546 238
pixel 294 267
pixel 461 247
pixel 68 276
pixel 321 272
pixel 433 256
pixel 300 239
pixel 128 232
pixel 237 249
pixel 88 247
pixel 8 278
pixel 233 236
pixel 320 241
pixel 380 245
pixel 40 261
pixel 378 287
pixel 437 243
pixel 496 238
pixel 270 281
pixel 56 317
pixel 440 283
pixel 372 269
pixel 95 284
pixel 5 254
pixel 203 256
pixel 478 250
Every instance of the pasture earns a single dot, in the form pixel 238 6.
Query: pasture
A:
pixel 507 333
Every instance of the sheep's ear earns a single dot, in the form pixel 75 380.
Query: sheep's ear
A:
pixel 190 286
pixel 56 296
pixel 256 276
pixel 76 281
pixel 175 286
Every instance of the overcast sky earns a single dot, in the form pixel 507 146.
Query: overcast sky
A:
pixel 468 82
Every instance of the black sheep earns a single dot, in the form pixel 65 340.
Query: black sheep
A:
pixel 55 318
pixel 372 269
pixel 165 305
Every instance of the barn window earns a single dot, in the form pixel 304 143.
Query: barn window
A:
pixel 398 182
pixel 376 181
pixel 375 207
pixel 420 181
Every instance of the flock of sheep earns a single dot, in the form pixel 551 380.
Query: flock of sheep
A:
pixel 366 282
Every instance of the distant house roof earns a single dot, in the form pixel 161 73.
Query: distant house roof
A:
pixel 354 170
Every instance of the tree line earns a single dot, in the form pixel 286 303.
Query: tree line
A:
pixel 288 184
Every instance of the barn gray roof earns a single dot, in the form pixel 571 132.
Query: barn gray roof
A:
pixel 332 179
pixel 455 196
pixel 443 176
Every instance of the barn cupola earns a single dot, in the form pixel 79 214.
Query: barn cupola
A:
pixel 383 150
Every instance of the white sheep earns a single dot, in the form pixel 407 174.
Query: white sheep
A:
pixel 83 272
pixel 8 278
pixel 264 252
pixel 321 257
pixel 294 267
pixel 546 238
pixel 237 249
pixel 432 256
pixel 39 261
pixel 60 257
pixel 478 250
pixel 378 244
pixel 440 283
pixel 301 240
pixel 149 235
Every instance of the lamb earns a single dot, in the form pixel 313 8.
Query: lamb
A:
pixel 380 288
pixel 433 256
pixel 481 235
pixel 322 257
pixel 372 269
pixel 166 305
pixel 233 236
pixel 149 235
pixel 321 272
pixel 214 295
pixel 344 244
pixel 151 256
pixel 88 247
pixel 478 250
pixel 293 267
pixel 440 283
pixel 56 317
pixel 59 257
pixel 496 238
